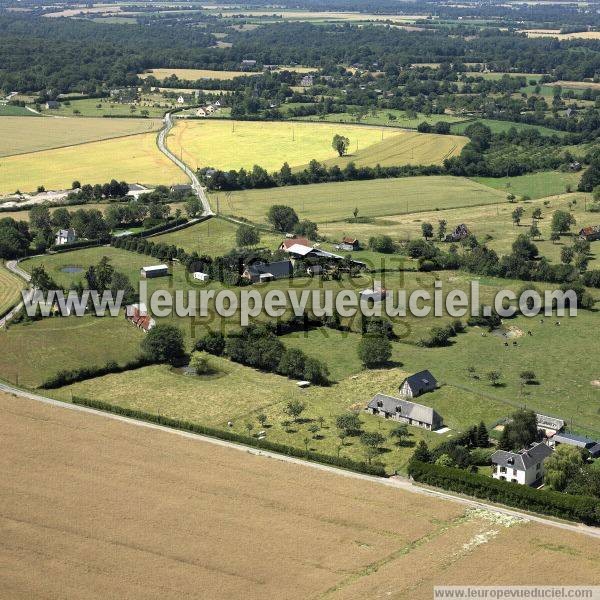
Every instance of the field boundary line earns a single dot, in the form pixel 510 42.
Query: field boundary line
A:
pixel 396 481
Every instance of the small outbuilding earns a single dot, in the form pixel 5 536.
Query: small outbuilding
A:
pixel 418 384
pixel 154 271
pixel 199 276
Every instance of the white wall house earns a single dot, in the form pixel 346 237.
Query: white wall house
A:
pixel 65 236
pixel 525 467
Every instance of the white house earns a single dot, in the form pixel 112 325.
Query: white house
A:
pixel 525 467
pixel 201 112
pixel 65 236
pixel 180 100
pixel 200 276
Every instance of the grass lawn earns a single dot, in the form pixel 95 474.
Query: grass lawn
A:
pixel 134 158
pixel 267 144
pixel 328 202
pixel 105 107
pixel 10 288
pixel 534 185
pixel 33 352
pixel 18 136
pixel 11 110
pixel 214 237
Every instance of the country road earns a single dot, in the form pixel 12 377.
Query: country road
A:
pixel 196 185
pixel 398 482
pixel 13 267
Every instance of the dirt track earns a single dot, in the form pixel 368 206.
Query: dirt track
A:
pixel 91 507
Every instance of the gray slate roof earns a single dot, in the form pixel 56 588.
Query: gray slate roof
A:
pixel 281 268
pixel 421 381
pixel 411 410
pixel 573 440
pixel 523 459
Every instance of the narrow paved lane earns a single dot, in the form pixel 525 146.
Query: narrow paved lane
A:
pixel 196 185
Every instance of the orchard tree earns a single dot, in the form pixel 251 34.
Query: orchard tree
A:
pixel 340 144
pixel 562 221
pixel 246 235
pixel 427 230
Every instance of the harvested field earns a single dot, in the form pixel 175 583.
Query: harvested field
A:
pixel 193 74
pixel 94 508
pixel 18 136
pixel 10 288
pixel 133 158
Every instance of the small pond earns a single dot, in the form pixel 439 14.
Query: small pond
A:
pixel 71 269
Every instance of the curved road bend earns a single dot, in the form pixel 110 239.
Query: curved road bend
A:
pixel 196 185
pixel 13 267
pixel 397 482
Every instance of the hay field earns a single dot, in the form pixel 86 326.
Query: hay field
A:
pixel 310 15
pixel 270 144
pixel 193 74
pixel 157 515
pixel 375 198
pixel 134 159
pixel 10 289
pixel 555 33
pixel 18 136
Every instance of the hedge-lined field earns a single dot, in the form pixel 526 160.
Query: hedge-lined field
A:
pixel 10 288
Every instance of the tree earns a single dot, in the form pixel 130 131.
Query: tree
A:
pixel 520 432
pixel 316 371
pixel 294 408
pixel 76 185
pixel 563 465
pixel 562 221
pixel 283 218
pixel 246 235
pixel 494 377
pixel 193 207
pixel 307 229
pixel 534 231
pixel 40 280
pixel 371 440
pixel 199 363
pixel 164 343
pixel 374 350
pixel 213 342
pixel 14 238
pixel 527 377
pixel 61 218
pixel 566 255
pixel 516 215
pixel 292 363
pixel 554 237
pixel 427 230
pixel 442 224
pixel 523 248
pixel 349 423
pixel 314 429
pixel 400 432
pixel 39 217
pixel 382 243
pixel 262 419
pixel 340 144
pixel 445 460
pixel 482 437
pixel 422 453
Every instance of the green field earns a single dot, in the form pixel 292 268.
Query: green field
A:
pixel 214 237
pixel 10 288
pixel 104 107
pixel 18 136
pixel 11 110
pixel 35 351
pixel 534 185
pixel 503 126
pixel 135 158
pixel 375 198
pixel 381 117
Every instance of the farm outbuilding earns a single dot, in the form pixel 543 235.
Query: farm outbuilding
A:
pixel 405 411
pixel 154 271
pixel 417 384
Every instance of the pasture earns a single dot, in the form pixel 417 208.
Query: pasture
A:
pixel 10 289
pixel 134 158
pixel 326 539
pixel 328 202
pixel 214 237
pixel 32 352
pixel 534 185
pixel 156 106
pixel 267 144
pixel 192 74
pixel 19 136
pixel 504 126
pixel 12 110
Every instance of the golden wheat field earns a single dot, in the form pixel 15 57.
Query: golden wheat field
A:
pixel 95 508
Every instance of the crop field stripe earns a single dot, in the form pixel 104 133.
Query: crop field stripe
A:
pixel 10 288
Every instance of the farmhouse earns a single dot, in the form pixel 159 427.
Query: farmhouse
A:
pixel 289 242
pixel 349 244
pixel 137 314
pixel 201 112
pixel 259 272
pixel 180 100
pixel 525 467
pixel 579 441
pixel 417 384
pixel 65 236
pixel 460 233
pixel 405 411
pixel 590 233
pixel 154 271
pixel 307 81
pixel 52 104
pixel 181 187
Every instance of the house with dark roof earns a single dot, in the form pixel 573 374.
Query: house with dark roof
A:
pixel 417 384
pixel 460 233
pixel 405 411
pixel 259 272
pixel 525 467
pixel 579 441
pixel 349 244
pixel 591 233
